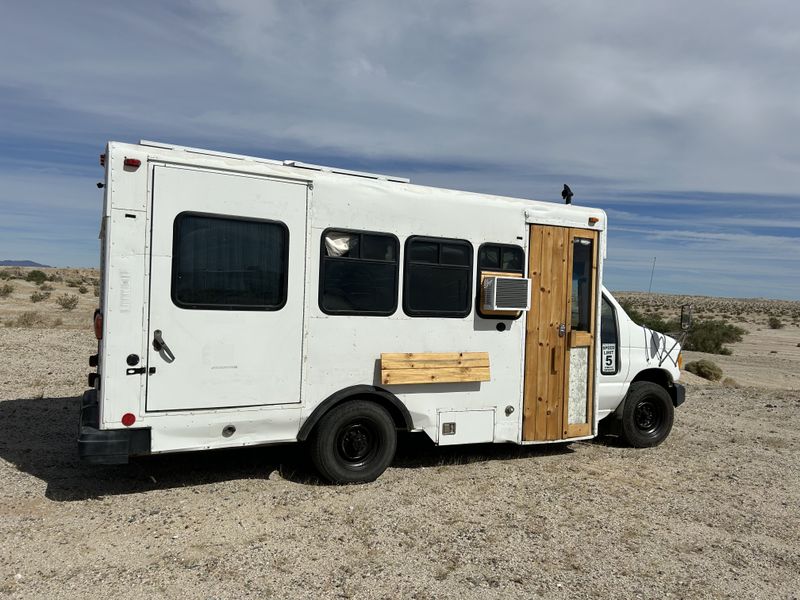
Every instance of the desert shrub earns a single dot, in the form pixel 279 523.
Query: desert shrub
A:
pixel 5 290
pixel 57 322
pixel 55 278
pixel 27 319
pixel 705 368
pixel 730 382
pixel 36 276
pixel 711 336
pixel 67 301
pixel 39 296
pixel 83 289
pixel 5 274
pixel 96 291
pixel 72 283
pixel 46 287
pixel 775 323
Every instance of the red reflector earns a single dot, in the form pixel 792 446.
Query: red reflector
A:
pixel 128 419
pixel 132 162
pixel 98 324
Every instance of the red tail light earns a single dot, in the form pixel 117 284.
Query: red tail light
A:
pixel 128 419
pixel 98 324
pixel 133 162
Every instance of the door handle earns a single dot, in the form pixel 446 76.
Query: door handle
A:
pixel 161 347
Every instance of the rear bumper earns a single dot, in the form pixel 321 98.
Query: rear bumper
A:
pixel 678 393
pixel 107 446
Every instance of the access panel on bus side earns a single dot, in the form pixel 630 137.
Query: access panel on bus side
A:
pixel 226 290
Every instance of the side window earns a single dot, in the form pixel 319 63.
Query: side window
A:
pixel 438 277
pixel 498 259
pixel 582 253
pixel 358 273
pixel 609 339
pixel 228 263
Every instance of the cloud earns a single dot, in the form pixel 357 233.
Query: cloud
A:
pixel 681 114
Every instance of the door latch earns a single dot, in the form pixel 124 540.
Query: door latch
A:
pixel 140 371
pixel 562 330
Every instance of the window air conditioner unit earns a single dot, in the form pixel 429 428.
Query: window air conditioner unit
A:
pixel 506 293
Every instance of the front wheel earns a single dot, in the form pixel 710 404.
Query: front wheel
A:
pixel 647 415
pixel 354 442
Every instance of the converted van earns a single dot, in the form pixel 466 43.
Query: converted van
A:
pixel 247 301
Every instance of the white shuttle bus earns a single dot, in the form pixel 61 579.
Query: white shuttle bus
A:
pixel 247 301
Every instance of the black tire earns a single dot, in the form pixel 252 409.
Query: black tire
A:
pixel 647 415
pixel 354 442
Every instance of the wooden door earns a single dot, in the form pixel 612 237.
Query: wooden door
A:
pixel 559 342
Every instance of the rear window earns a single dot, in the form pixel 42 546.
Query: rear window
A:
pixel 229 263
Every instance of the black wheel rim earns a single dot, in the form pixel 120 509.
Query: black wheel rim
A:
pixel 648 416
pixel 357 443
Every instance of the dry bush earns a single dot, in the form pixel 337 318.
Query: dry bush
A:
pixel 6 290
pixel 705 368
pixel 775 323
pixel 73 283
pixel 96 291
pixel 46 287
pixel 83 289
pixel 28 319
pixel 730 382
pixel 36 276
pixel 67 301
pixel 39 296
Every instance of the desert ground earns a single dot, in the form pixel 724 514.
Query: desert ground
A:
pixel 711 513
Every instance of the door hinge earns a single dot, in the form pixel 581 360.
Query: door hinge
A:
pixel 140 371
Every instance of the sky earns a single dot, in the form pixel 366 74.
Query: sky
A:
pixel 679 118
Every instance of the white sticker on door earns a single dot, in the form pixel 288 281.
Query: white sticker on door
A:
pixel 609 359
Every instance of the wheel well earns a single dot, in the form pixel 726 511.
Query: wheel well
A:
pixel 659 376
pixel 395 408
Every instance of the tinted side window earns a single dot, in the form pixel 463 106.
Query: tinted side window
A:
pixel 582 253
pixel 358 273
pixel 498 257
pixel 438 277
pixel 227 263
pixel 609 339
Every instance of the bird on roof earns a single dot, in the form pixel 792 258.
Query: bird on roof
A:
pixel 567 194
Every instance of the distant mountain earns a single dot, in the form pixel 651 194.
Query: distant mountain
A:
pixel 22 263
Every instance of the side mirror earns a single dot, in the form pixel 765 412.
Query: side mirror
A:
pixel 686 317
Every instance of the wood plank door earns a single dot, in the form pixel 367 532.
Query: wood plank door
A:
pixel 559 342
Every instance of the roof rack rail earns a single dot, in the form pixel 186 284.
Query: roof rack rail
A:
pixel 287 163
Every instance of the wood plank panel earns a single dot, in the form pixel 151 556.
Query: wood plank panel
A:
pixel 544 348
pixel 415 360
pixel 435 375
pixel 434 367
pixel 532 344
pixel 555 387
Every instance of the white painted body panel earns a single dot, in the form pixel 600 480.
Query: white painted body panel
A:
pixel 321 354
pixel 635 357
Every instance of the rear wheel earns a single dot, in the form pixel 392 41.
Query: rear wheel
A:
pixel 354 442
pixel 647 415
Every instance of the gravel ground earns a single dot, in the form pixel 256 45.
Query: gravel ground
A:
pixel 711 513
